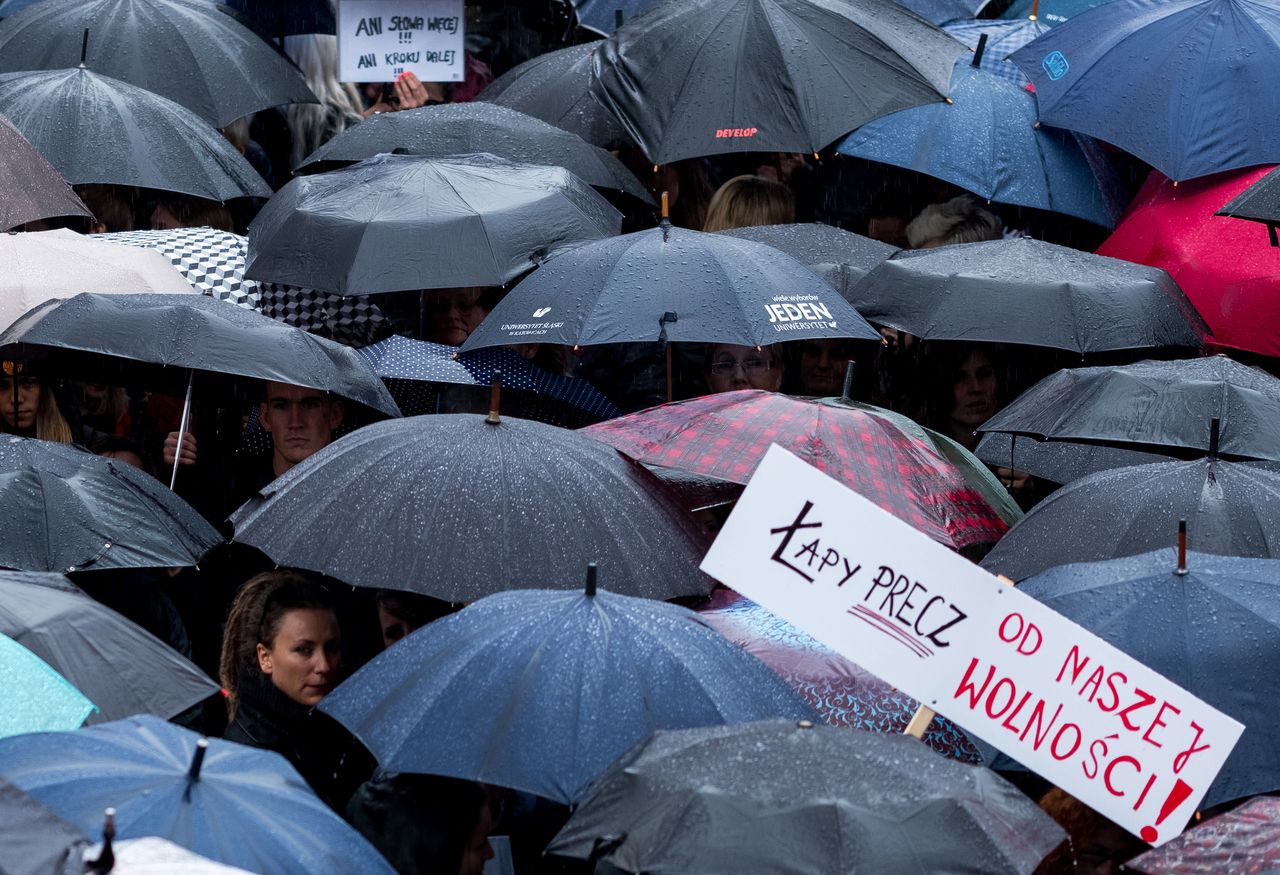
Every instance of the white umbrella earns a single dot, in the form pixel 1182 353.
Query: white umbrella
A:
pixel 157 856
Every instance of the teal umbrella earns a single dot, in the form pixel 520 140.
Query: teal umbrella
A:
pixel 36 698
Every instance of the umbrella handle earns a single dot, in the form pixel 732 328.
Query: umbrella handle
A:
pixel 182 428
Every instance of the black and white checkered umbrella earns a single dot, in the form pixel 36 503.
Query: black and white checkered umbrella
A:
pixel 213 262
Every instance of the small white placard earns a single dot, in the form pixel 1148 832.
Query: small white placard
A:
pixel 1052 695
pixel 379 40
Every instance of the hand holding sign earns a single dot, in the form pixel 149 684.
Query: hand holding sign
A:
pixel 1050 694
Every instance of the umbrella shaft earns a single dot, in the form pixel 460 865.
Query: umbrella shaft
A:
pixel 182 429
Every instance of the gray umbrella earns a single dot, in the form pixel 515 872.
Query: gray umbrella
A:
pixel 36 841
pixel 1028 292
pixel 467 128
pixel 85 511
pixel 1231 508
pixel 190 51
pixel 95 129
pixel 839 257
pixel 1154 405
pixel 30 188
pixel 167 336
pixel 776 796
pixel 399 222
pixel 456 508
pixel 1058 461
pixel 554 88
pixel 122 668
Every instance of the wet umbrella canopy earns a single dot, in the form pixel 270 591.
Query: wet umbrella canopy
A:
pixel 1185 85
pixel 1175 623
pixel 95 129
pixel 1231 508
pixel 710 76
pixel 540 690
pixel 1057 461
pixel 190 51
pixel 777 796
pixel 399 222
pixel 32 189
pixel 456 508
pixel 670 284
pixel 1246 840
pixel 122 668
pixel 1260 202
pixel 83 511
pixel 228 802
pixel 1028 292
pixel 41 265
pixel 1003 38
pixel 839 257
pixel 36 841
pixel 555 88
pixel 36 697
pixel 464 128
pixel 178 333
pixel 1154 405
pixel 985 139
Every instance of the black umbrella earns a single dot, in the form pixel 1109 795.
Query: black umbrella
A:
pixel 1158 406
pixel 1028 292
pixel 122 668
pixel 777 796
pixel 555 88
pixel 708 76
pixel 839 257
pixel 95 129
pixel 1259 202
pixel 30 188
pixel 190 51
pixel 456 507
pixel 466 128
pixel 280 18
pixel 1232 509
pixel 1058 461
pixel 83 511
pixel 670 284
pixel 175 334
pixel 399 222
pixel 36 841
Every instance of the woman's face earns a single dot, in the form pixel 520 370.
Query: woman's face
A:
pixel 28 403
pixel 743 367
pixel 452 314
pixel 974 392
pixel 304 657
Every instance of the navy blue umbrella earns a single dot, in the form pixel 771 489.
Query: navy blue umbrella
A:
pixel 1186 85
pixel 1003 39
pixel 1219 620
pixel 541 690
pixel 670 284
pixel 405 364
pixel 986 140
pixel 233 804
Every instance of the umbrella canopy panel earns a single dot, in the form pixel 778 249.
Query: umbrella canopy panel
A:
pixel 190 51
pixel 839 257
pixel 32 188
pixel 37 698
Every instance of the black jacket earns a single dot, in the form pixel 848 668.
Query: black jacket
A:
pixel 328 757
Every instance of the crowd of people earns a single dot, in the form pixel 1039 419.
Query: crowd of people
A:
pixel 279 641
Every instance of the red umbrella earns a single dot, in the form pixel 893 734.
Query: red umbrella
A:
pixel 1244 840
pixel 726 436
pixel 1226 267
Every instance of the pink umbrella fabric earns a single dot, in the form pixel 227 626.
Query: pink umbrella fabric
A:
pixel 1227 267
pixel 1245 840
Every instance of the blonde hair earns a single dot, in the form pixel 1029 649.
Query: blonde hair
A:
pixel 314 124
pixel 50 424
pixel 745 201
pixel 255 617
pixel 959 220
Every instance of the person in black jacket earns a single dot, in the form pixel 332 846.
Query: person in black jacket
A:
pixel 282 654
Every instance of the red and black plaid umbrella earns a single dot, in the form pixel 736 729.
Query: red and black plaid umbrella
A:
pixel 726 435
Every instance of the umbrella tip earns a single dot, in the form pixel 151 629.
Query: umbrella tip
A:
pixel 804 724
pixel 617 19
pixel 977 53
pixel 1215 427
pixel 846 394
pixel 107 858
pixel 84 47
pixel 1182 549
pixel 591 579
pixel 1035 10
pixel 495 398
pixel 202 746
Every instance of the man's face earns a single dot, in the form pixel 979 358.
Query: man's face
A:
pixel 822 366
pixel 300 422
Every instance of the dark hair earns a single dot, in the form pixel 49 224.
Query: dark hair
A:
pixel 256 614
pixel 941 363
pixel 111 443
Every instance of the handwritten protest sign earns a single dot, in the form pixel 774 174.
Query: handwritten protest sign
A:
pixel 379 40
pixel 1082 714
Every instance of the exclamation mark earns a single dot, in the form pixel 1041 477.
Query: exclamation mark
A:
pixel 1181 790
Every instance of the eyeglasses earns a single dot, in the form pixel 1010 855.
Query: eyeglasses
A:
pixel 751 367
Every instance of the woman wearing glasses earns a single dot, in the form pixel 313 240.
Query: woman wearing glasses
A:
pixel 730 367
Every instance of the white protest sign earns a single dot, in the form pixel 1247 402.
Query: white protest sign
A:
pixel 1082 714
pixel 379 40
